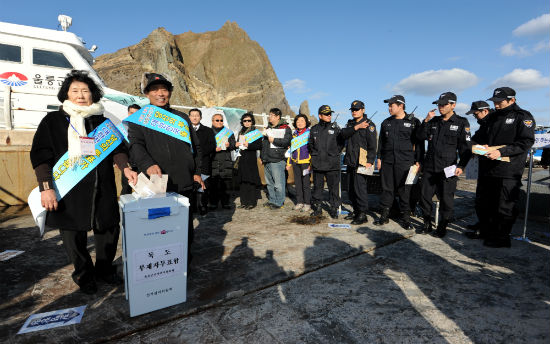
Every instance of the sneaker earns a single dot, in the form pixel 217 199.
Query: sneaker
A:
pixel 275 207
pixel 306 208
pixel 298 206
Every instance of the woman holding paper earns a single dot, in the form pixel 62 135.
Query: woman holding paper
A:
pixel 248 177
pixel 299 162
pixel 222 165
pixel 76 178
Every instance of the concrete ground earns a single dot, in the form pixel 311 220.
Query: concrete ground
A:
pixel 259 278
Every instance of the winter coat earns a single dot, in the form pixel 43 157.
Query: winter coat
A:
pixel 357 139
pixel 325 145
pixel 175 157
pixel 397 143
pixel 247 170
pixel 92 202
pixel 207 142
pixel 222 165
pixel 269 154
pixel 300 155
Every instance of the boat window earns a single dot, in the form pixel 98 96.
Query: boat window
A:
pixel 10 53
pixel 50 58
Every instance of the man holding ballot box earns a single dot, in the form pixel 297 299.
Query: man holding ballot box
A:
pixel 447 135
pixel 506 137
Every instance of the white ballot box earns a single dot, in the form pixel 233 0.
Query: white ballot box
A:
pixel 154 245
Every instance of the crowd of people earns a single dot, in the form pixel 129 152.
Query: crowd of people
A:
pixel 202 166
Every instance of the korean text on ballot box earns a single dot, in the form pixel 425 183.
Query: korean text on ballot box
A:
pixel 154 245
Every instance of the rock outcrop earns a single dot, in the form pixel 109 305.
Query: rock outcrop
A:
pixel 217 68
pixel 304 108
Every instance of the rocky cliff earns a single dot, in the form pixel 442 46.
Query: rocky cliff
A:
pixel 218 68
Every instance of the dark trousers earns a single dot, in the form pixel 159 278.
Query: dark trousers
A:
pixel 333 181
pixel 357 190
pixel 302 183
pixel 248 194
pixel 218 190
pixel 496 204
pixel 393 177
pixel 433 182
pixel 75 243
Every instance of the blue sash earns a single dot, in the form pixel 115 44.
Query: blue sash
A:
pixel 160 120
pixel 222 136
pixel 299 141
pixel 123 130
pixel 253 136
pixel 106 138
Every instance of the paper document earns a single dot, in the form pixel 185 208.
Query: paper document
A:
pixel 37 210
pixel 368 171
pixel 146 187
pixel 204 177
pixel 412 177
pixel 481 150
pixel 306 172
pixel 362 157
pixel 450 171
pixel 276 134
pixel 242 140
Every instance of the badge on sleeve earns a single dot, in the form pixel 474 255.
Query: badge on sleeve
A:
pixel 467 129
pixel 528 123
pixel 371 128
pixel 87 145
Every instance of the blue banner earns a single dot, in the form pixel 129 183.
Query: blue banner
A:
pixel 253 136
pixel 222 136
pixel 299 141
pixel 123 130
pixel 106 138
pixel 160 120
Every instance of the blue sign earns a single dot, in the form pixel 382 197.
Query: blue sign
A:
pixel 44 321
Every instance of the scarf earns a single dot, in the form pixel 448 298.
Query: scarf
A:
pixel 77 114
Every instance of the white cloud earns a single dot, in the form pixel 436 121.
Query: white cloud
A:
pixel 510 50
pixel 295 108
pixel 296 86
pixel 522 79
pixel 462 108
pixel 433 82
pixel 537 26
pixel 541 46
pixel 318 95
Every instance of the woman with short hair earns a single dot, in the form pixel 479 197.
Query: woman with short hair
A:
pixel 92 202
pixel 299 161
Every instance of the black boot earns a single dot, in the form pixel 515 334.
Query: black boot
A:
pixel 427 227
pixel 383 219
pixel 478 231
pixel 441 230
pixel 333 213
pixel 317 211
pixel 360 218
pixel 350 216
pixel 502 236
pixel 406 221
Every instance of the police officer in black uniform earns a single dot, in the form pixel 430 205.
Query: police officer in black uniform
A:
pixel 499 181
pixel 398 150
pixel 325 145
pixel 360 133
pixel 480 110
pixel 446 134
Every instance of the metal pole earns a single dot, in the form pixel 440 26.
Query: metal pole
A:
pixel 532 151
pixel 7 107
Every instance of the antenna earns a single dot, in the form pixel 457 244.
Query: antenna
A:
pixel 416 107
pixel 64 21
pixel 375 112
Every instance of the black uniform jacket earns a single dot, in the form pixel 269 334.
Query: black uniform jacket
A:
pixel 445 138
pixel 174 157
pixel 362 138
pixel 248 163
pixel 512 127
pixel 269 154
pixel 397 143
pixel 325 145
pixel 95 196
pixel 222 165
pixel 207 142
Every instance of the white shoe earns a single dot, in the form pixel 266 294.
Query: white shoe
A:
pixel 298 206
pixel 306 208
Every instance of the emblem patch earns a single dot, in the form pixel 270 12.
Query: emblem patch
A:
pixel 408 125
pixel 371 128
pixel 467 129
pixel 331 131
pixel 454 127
pixel 528 123
pixel 510 120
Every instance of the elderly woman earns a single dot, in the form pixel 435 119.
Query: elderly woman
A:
pixel 92 202
pixel 247 171
pixel 299 161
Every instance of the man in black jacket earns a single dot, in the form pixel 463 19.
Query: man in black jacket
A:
pixel 499 182
pixel 398 150
pixel 222 167
pixel 446 134
pixel 360 133
pixel 325 145
pixel 273 158
pixel 208 149
pixel 480 110
pixel 157 153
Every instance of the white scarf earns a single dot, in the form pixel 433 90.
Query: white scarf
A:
pixel 76 128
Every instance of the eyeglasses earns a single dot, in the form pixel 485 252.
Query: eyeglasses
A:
pixel 327 114
pixel 247 120
pixel 218 120
pixel 355 110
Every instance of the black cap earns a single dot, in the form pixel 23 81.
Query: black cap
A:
pixel 502 93
pixel 476 106
pixel 395 99
pixel 357 104
pixel 325 109
pixel 445 98
pixel 149 79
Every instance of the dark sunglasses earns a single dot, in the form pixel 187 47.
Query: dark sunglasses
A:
pixel 218 120
pixel 354 110
pixel 327 114
pixel 247 120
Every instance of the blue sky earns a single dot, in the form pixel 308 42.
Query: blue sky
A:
pixel 330 52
